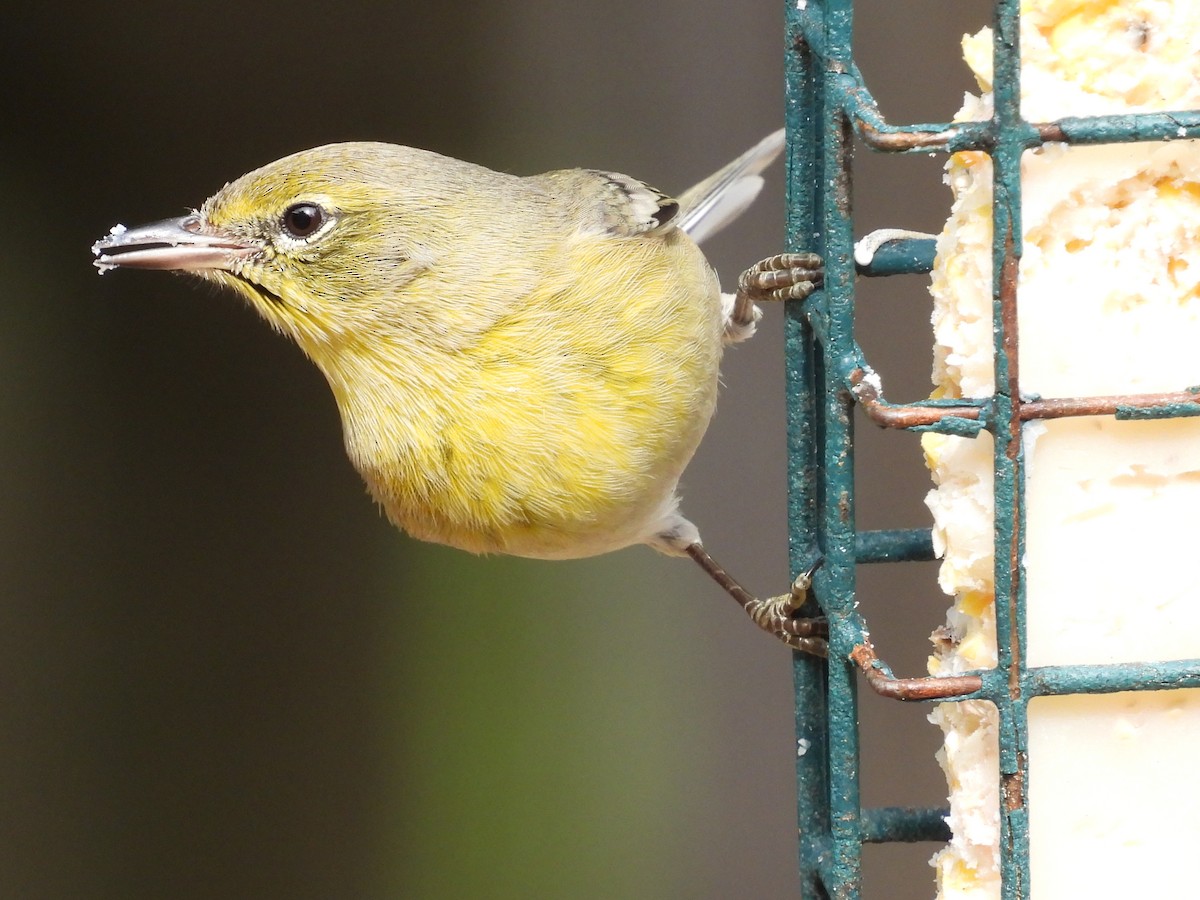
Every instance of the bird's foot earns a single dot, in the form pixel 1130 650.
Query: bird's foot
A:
pixel 786 276
pixel 774 615
pixel 778 615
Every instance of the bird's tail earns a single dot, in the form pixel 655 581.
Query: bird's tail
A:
pixel 723 196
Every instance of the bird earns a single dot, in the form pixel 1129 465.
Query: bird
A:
pixel 522 365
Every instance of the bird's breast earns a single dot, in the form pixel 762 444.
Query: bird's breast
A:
pixel 563 428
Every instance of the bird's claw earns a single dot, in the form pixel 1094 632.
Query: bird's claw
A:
pixel 786 276
pixel 777 615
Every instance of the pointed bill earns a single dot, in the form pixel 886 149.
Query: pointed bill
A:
pixel 184 244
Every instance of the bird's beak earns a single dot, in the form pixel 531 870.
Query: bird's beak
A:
pixel 186 243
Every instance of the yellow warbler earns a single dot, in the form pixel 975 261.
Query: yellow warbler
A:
pixel 522 365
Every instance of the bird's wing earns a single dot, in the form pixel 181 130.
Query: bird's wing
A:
pixel 615 204
pixel 723 196
pixel 608 203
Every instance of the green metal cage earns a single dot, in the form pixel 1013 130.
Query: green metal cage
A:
pixel 828 108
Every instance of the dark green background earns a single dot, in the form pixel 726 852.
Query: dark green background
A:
pixel 221 673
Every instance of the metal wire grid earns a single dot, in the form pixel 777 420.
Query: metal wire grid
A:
pixel 828 105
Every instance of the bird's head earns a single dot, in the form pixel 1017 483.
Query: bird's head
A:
pixel 322 243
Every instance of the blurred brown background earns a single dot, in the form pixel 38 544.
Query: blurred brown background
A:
pixel 221 673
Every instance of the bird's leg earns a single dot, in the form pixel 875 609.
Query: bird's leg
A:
pixel 786 276
pixel 775 615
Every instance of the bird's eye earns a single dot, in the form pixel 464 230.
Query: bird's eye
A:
pixel 302 220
